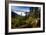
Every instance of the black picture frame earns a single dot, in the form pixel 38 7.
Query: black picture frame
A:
pixel 6 16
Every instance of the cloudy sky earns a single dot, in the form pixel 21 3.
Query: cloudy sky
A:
pixel 20 10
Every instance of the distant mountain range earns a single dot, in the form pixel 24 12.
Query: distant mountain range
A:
pixel 14 14
pixel 19 14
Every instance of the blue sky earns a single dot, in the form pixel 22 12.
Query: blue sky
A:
pixel 20 8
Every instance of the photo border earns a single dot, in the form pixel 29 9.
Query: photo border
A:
pixel 6 17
